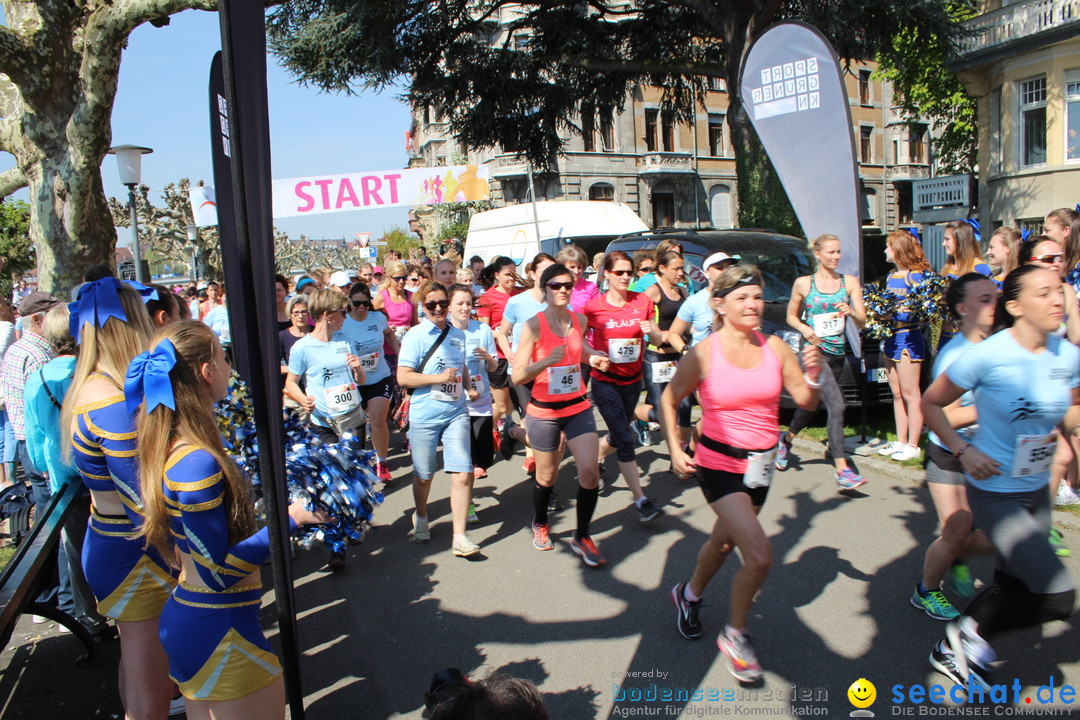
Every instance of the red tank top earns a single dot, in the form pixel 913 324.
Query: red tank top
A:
pixel 617 331
pixel 558 391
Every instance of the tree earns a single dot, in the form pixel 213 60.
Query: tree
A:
pixel 59 64
pixel 558 57
pixel 400 240
pixel 16 250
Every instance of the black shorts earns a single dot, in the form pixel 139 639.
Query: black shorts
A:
pixel 546 435
pixel 718 483
pixel 942 466
pixel 483 441
pixel 523 393
pixel 499 377
pixel 378 389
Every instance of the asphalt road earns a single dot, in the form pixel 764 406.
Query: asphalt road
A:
pixel 599 642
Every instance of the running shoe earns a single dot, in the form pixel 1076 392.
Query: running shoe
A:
pixel 848 479
pixel 688 623
pixel 934 604
pixel 554 502
pixel 641 430
pixel 742 660
pixel 507 442
pixel 479 472
pixel 421 533
pixel 906 452
pixel 1057 541
pixel 464 547
pixel 943 660
pixel 647 510
pixel 336 562
pixel 496 437
pixel 1066 495
pixel 382 471
pixel 972 655
pixel 960 578
pixel 783 453
pixel 586 548
pixel 541 539
pixel 472 518
pixel 529 466
pixel 889 448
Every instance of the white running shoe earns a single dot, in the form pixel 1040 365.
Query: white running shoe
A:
pixel 889 448
pixel 1066 495
pixel 906 452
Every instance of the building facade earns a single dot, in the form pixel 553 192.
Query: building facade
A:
pixel 1022 64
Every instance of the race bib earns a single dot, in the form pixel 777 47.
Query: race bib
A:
pixel 662 372
pixel 447 391
pixel 400 330
pixel 624 350
pixel 477 383
pixel 341 398
pixel 1034 454
pixel 369 362
pixel 759 469
pixel 564 380
pixel 828 324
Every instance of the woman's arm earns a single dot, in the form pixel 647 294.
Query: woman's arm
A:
pixel 686 379
pixel 526 371
pixel 1072 315
pixel 942 393
pixel 799 383
pixel 391 339
pixel 799 290
pixel 855 309
pixel 292 389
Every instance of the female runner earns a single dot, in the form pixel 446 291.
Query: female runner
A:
pixel 1025 381
pixel 661 359
pixel 200 514
pixel 549 355
pixel 480 359
pixel 738 373
pixel 501 279
pixel 818 308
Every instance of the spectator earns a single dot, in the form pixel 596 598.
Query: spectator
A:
pixel 499 696
pixel 281 289
pixel 7 338
pixel 164 307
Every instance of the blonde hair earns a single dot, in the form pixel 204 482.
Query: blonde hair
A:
pixel 819 242
pixel 163 430
pixel 572 253
pixel 321 302
pixel 392 268
pixel 967 249
pixel 56 328
pixel 107 350
pixel 1012 240
pixel 464 275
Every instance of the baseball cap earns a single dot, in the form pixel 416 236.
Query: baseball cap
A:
pixel 716 258
pixel 340 278
pixel 378 270
pixel 37 302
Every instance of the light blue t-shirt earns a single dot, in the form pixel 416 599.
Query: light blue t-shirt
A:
pixel 948 355
pixel 435 404
pixel 323 365
pixel 1017 393
pixel 698 312
pixel 218 320
pixel 366 338
pixel 479 335
pixel 519 310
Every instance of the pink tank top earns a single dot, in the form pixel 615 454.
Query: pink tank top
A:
pixel 398 314
pixel 739 407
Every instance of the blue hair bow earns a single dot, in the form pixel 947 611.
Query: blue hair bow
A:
pixel 915 234
pixel 100 300
pixel 1025 233
pixel 1078 207
pixel 974 226
pixel 148 377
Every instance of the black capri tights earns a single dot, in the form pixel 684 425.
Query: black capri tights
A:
pixel 616 404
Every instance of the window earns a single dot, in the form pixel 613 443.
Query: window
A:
pixel 865 134
pixel 917 151
pixel 521 43
pixel 720 206
pixel 1033 122
pixel 717 141
pixel 718 83
pixel 607 135
pixel 995 131
pixel 663 207
pixel 869 209
pixel 1072 114
pixel 864 87
pixel 588 130
pixel 651 118
pixel 602 191
pixel 667 131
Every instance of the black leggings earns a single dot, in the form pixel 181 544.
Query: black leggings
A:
pixel 833 399
pixel 483 444
pixel 616 405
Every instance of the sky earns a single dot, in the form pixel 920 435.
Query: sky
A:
pixel 162 103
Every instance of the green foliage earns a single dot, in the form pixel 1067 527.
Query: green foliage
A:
pixel 16 249
pixel 400 240
pixel 762 200
pixel 915 65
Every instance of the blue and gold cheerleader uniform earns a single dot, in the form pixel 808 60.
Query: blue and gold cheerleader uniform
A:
pixel 216 647
pixel 908 336
pixel 130 582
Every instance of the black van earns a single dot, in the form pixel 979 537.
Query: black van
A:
pixel 781 259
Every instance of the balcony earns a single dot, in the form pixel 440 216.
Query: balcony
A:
pixel 508 166
pixel 941 199
pixel 1016 28
pixel 906 171
pixel 666 163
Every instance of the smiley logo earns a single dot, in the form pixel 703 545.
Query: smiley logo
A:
pixel 862 693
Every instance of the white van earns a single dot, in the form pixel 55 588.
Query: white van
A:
pixel 512 230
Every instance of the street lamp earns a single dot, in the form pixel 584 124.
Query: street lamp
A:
pixel 129 162
pixel 193 239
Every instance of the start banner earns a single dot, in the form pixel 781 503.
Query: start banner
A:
pixel 298 197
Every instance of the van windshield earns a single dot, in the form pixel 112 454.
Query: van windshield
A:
pixel 778 271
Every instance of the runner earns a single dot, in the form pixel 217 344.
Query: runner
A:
pixel 480 357
pixel 619 321
pixel 738 373
pixel 549 355
pixel 819 307
pixel 1025 382
pixel 905 349
pixel 696 315
pixel 501 279
pixel 972 298
pixel 661 359
pixel 962 256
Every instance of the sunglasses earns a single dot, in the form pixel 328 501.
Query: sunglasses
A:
pixel 1049 258
pixel 646 268
pixel 399 278
pixel 561 285
pixel 437 304
pixel 361 303
pixel 621 273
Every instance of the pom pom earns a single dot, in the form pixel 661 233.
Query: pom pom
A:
pixel 235 417
pixel 880 304
pixel 926 301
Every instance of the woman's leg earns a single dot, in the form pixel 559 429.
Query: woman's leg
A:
pixel 892 371
pixel 739 518
pixel 461 488
pixel 267 702
pixel 611 400
pixel 909 374
pixel 145 687
pixel 584 449
pixel 378 410
pixel 955 517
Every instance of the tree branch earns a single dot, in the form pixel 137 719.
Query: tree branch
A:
pixel 10 181
pixel 15 56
